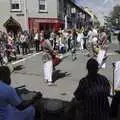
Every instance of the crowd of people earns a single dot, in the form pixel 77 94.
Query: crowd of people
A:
pixel 95 41
pixel 90 100
pixel 62 41
pixel 52 43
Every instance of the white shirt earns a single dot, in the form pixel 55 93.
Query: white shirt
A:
pixel 90 35
pixel 94 32
pixel 80 37
pixel 36 36
pixel 22 39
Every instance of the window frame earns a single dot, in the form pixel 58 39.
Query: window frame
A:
pixel 45 3
pixel 17 2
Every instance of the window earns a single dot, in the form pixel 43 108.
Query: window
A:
pixel 42 5
pixel 15 5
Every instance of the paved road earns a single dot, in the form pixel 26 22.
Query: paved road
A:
pixel 29 72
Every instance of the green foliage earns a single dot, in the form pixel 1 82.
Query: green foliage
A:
pixel 114 18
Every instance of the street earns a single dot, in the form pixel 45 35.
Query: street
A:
pixel 28 71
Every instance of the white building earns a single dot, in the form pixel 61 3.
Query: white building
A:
pixel 35 15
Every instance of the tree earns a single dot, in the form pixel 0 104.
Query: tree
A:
pixel 114 18
pixel 96 21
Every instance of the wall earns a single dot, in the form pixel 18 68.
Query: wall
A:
pixel 5 13
pixel 33 9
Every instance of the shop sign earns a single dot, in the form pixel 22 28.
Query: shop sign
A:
pixel 20 14
pixel 46 21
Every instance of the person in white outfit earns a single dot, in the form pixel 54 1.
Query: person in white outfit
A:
pixel 47 66
pixel 80 40
pixel 47 62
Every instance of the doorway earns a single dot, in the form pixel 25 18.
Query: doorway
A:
pixel 12 25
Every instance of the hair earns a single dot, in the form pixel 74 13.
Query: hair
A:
pixel 5 74
pixel 92 65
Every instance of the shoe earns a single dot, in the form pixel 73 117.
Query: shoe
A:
pixel 51 84
pixel 45 81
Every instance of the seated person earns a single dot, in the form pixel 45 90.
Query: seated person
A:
pixel 11 106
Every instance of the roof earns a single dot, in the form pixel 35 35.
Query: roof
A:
pixel 80 7
pixel 11 21
pixel 88 12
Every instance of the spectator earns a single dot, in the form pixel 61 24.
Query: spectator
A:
pixel 118 37
pixel 11 106
pixel 109 35
pixel 23 40
pixel 17 42
pixel 74 37
pixel 92 95
pixel 103 39
pixel 69 40
pixel 37 41
pixel 80 40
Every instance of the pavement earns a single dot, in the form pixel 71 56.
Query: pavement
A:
pixel 29 71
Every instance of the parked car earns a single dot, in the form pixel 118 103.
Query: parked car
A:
pixel 116 31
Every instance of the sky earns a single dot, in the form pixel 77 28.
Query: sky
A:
pixel 100 8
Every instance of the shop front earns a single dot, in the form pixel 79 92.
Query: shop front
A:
pixel 45 24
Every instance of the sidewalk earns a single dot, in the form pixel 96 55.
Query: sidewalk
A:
pixel 21 58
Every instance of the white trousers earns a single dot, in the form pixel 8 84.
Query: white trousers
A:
pixel 48 70
pixel 81 44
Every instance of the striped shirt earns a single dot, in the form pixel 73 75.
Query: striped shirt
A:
pixel 93 93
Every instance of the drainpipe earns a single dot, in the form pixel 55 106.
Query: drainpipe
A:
pixel 26 15
pixel 66 25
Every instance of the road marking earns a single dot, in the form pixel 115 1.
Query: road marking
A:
pixel 24 59
pixel 61 56
pixel 30 56
pixel 112 53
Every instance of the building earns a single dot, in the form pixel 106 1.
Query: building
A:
pixel 93 18
pixel 37 15
pixel 75 16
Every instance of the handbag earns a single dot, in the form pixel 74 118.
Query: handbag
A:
pixel 56 59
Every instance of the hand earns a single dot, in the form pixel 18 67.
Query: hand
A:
pixel 37 96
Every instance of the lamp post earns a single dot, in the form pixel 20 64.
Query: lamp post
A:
pixel 117 21
pixel 66 18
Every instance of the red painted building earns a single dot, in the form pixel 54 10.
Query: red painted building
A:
pixel 45 24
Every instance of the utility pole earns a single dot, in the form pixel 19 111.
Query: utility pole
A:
pixel 26 15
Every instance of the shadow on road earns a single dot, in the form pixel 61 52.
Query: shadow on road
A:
pixel 58 75
pixel 19 67
pixel 17 70
pixel 117 51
